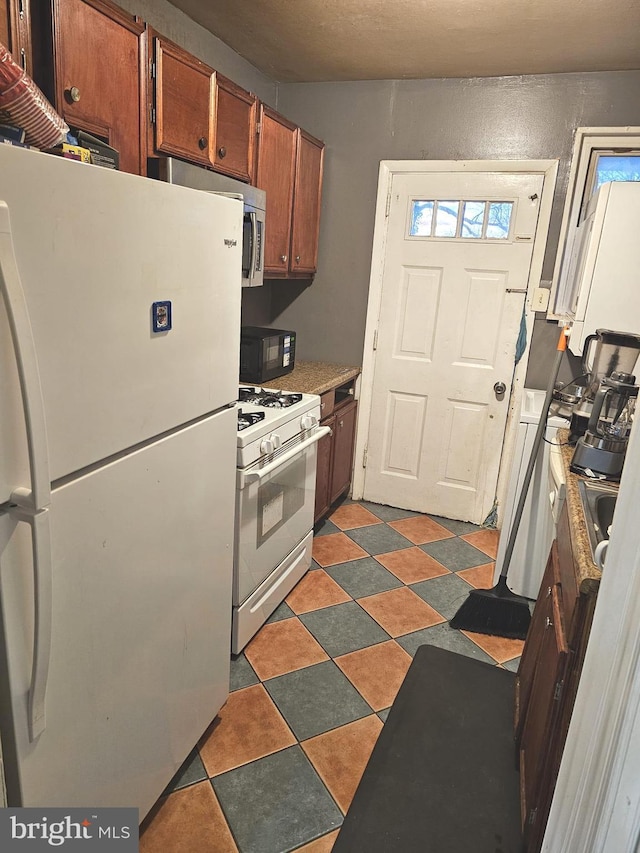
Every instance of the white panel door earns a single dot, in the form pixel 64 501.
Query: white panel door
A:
pixel 95 249
pixel 141 622
pixel 452 300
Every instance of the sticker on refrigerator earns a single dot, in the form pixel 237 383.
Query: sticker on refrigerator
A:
pixel 161 316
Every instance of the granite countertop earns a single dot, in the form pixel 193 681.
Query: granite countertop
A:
pixel 587 574
pixel 315 377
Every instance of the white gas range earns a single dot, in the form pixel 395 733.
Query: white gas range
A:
pixel 278 434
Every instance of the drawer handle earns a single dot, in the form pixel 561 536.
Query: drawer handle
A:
pixel 222 152
pixel 202 143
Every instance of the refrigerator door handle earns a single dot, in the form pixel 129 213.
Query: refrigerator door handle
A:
pixel 38 519
pixel 255 476
pixel 27 361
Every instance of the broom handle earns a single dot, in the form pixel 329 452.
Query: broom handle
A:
pixel 537 441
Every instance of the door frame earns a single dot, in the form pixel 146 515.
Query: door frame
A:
pixel 388 168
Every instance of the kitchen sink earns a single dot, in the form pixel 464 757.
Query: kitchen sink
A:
pixel 599 503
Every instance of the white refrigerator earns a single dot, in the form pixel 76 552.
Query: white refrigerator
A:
pixel 119 348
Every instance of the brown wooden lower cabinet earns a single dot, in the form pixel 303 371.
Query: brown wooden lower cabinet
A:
pixel 335 457
pixel 547 682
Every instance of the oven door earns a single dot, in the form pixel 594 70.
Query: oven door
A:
pixel 275 506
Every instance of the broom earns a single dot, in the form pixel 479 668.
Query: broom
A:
pixel 499 611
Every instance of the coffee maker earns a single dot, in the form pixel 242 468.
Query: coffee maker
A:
pixel 601 450
pixel 605 353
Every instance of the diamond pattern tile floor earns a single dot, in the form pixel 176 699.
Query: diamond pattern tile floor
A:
pixel 278 767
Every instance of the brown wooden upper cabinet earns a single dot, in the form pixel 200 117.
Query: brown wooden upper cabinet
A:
pixel 15 31
pixel 235 138
pixel 306 204
pixel 182 111
pixel 290 170
pixel 98 53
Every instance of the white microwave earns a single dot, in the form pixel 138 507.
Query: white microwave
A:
pixel 255 202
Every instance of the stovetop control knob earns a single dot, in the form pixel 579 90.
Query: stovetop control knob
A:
pixel 308 421
pixel 270 444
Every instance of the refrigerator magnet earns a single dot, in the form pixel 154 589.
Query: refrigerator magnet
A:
pixel 161 316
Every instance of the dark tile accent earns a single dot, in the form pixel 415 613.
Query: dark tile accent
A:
pixel 446 638
pixel 512 665
pixel 324 526
pixel 455 554
pixel 343 628
pixel 384 714
pixel 378 539
pixel 388 513
pixel 316 699
pixel 242 674
pixel 314 566
pixel 282 611
pixel 277 803
pixel 445 593
pixel 457 527
pixel 192 771
pixel 363 577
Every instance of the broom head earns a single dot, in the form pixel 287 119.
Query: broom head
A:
pixel 497 611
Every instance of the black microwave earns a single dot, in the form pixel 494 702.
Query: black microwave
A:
pixel 265 354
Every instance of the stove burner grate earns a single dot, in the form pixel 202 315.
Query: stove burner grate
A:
pixel 247 419
pixel 269 399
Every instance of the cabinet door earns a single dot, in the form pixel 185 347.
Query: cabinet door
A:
pixel 343 441
pixel 323 471
pixel 15 31
pixel 306 204
pixel 184 103
pixel 535 636
pixel 98 51
pixel 235 130
pixel 275 174
pixel 543 710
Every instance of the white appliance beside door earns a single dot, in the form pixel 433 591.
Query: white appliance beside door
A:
pixel 602 285
pixel 115 643
pixel 537 526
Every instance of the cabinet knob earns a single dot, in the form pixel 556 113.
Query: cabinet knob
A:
pixel 548 623
pixel 297 259
pixel 73 94
pixel 202 143
pixel 283 258
pixel 222 152
pixel 341 424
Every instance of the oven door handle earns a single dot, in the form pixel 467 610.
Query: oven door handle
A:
pixel 255 476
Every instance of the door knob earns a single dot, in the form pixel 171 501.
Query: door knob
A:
pixel 500 389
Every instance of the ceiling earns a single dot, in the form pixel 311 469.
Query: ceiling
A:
pixel 328 40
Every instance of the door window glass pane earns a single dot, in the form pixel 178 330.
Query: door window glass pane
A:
pixel 612 167
pixel 421 218
pixel 447 218
pixel 473 219
pixel 499 219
